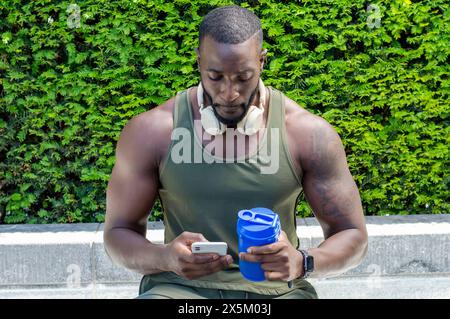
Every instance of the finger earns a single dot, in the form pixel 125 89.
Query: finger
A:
pixel 282 236
pixel 222 262
pixel 273 266
pixel 267 249
pixel 275 275
pixel 208 268
pixel 258 258
pixel 214 259
pixel 226 260
pixel 204 258
pixel 192 258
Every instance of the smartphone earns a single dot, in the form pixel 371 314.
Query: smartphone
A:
pixel 203 247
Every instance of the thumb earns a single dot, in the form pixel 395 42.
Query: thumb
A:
pixel 282 236
pixel 193 237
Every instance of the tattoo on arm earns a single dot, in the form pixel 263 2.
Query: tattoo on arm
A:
pixel 331 189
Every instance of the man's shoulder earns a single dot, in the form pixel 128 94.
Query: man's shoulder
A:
pixel 157 118
pixel 302 123
pixel 157 124
pixel 148 133
pixel 314 137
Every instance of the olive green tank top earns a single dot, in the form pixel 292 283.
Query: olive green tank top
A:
pixel 203 193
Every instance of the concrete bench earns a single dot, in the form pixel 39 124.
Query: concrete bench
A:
pixel 73 256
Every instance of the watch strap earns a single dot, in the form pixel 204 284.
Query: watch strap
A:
pixel 308 264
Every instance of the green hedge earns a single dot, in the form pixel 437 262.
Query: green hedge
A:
pixel 66 92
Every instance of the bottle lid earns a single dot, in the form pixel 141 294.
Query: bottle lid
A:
pixel 258 223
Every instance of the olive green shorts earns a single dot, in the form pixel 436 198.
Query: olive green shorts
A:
pixel 178 291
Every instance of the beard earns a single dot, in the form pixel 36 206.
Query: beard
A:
pixel 232 121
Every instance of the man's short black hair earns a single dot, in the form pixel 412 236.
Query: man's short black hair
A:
pixel 231 24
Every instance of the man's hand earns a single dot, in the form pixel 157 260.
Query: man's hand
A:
pixel 181 260
pixel 280 260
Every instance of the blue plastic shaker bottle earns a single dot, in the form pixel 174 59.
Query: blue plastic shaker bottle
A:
pixel 256 227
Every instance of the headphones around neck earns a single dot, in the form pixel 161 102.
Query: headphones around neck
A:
pixel 249 125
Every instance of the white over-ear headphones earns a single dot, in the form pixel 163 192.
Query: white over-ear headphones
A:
pixel 249 125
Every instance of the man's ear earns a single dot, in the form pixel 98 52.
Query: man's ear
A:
pixel 263 58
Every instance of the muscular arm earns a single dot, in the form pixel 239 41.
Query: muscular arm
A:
pixel 333 195
pixel 131 192
pixel 334 198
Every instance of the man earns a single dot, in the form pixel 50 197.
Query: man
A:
pixel 201 199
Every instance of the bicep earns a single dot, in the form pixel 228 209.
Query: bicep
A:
pixel 329 186
pixel 133 184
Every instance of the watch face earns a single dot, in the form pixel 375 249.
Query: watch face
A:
pixel 309 263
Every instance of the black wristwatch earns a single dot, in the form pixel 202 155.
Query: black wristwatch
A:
pixel 308 264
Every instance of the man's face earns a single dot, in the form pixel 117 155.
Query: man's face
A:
pixel 230 73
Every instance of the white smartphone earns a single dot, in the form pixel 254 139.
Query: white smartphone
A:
pixel 203 247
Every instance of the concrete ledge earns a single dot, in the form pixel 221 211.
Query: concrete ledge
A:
pixel 72 256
